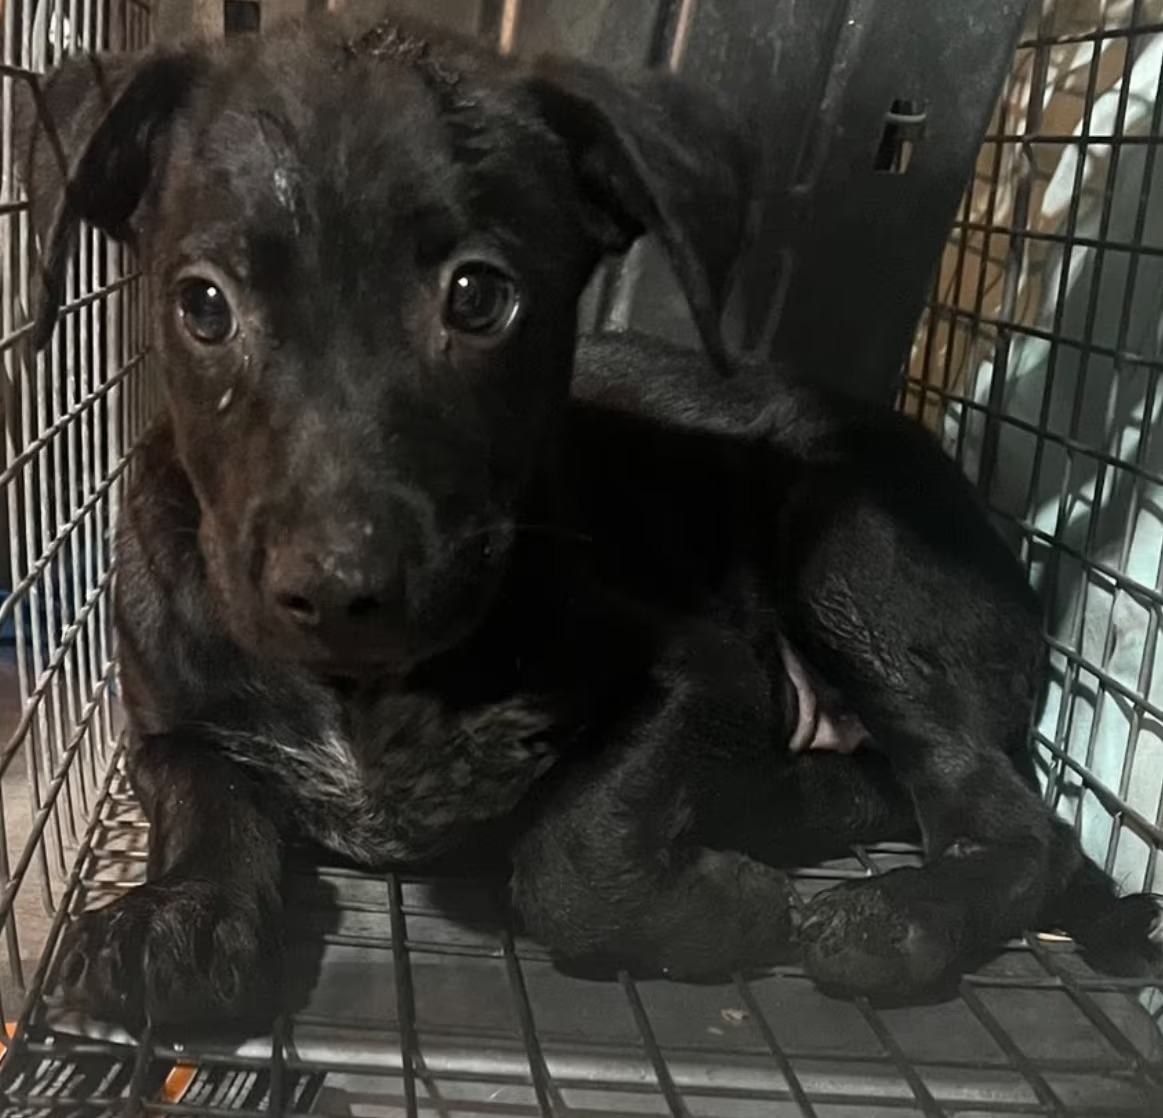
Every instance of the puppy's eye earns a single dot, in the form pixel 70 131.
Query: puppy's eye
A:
pixel 481 299
pixel 205 312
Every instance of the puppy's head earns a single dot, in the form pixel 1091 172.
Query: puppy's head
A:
pixel 364 251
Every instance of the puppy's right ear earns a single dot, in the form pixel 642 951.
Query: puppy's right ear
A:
pixel 650 154
pixel 88 139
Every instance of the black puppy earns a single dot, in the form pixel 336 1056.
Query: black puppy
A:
pixel 383 581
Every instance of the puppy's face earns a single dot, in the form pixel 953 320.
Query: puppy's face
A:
pixel 365 254
pixel 366 317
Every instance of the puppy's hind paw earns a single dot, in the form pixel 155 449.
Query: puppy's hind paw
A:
pixel 876 938
pixel 739 916
pixel 717 912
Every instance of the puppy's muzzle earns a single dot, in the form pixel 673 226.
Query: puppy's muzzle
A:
pixel 330 592
pixel 341 582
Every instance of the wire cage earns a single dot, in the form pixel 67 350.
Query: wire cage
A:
pixel 1036 360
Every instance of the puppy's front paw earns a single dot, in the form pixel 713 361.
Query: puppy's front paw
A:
pixel 176 951
pixel 875 938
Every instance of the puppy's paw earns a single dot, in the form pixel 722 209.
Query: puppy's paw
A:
pixel 175 952
pixel 871 937
pixel 1126 938
pixel 709 914
pixel 731 913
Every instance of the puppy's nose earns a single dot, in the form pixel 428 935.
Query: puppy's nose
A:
pixel 331 592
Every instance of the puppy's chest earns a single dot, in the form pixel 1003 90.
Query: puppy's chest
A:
pixel 399 778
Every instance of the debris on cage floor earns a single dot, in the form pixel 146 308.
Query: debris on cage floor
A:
pixel 414 997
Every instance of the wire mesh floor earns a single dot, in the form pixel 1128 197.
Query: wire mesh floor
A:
pixel 410 996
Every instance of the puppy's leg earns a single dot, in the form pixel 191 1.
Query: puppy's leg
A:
pixel 925 623
pixel 993 859
pixel 818 806
pixel 200 940
pixel 614 868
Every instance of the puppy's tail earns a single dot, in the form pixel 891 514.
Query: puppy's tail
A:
pixel 1118 935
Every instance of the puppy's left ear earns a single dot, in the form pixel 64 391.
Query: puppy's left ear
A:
pixel 652 155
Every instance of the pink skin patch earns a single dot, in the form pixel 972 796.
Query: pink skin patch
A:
pixel 818 726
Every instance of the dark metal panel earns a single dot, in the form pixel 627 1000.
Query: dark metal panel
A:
pixel 842 258
pixel 862 243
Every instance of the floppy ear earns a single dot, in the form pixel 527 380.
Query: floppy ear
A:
pixel 86 144
pixel 652 155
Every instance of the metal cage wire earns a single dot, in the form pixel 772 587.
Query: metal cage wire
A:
pixel 416 996
pixel 71 415
pixel 1038 362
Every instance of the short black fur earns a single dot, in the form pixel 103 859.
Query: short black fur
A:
pixel 382 582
